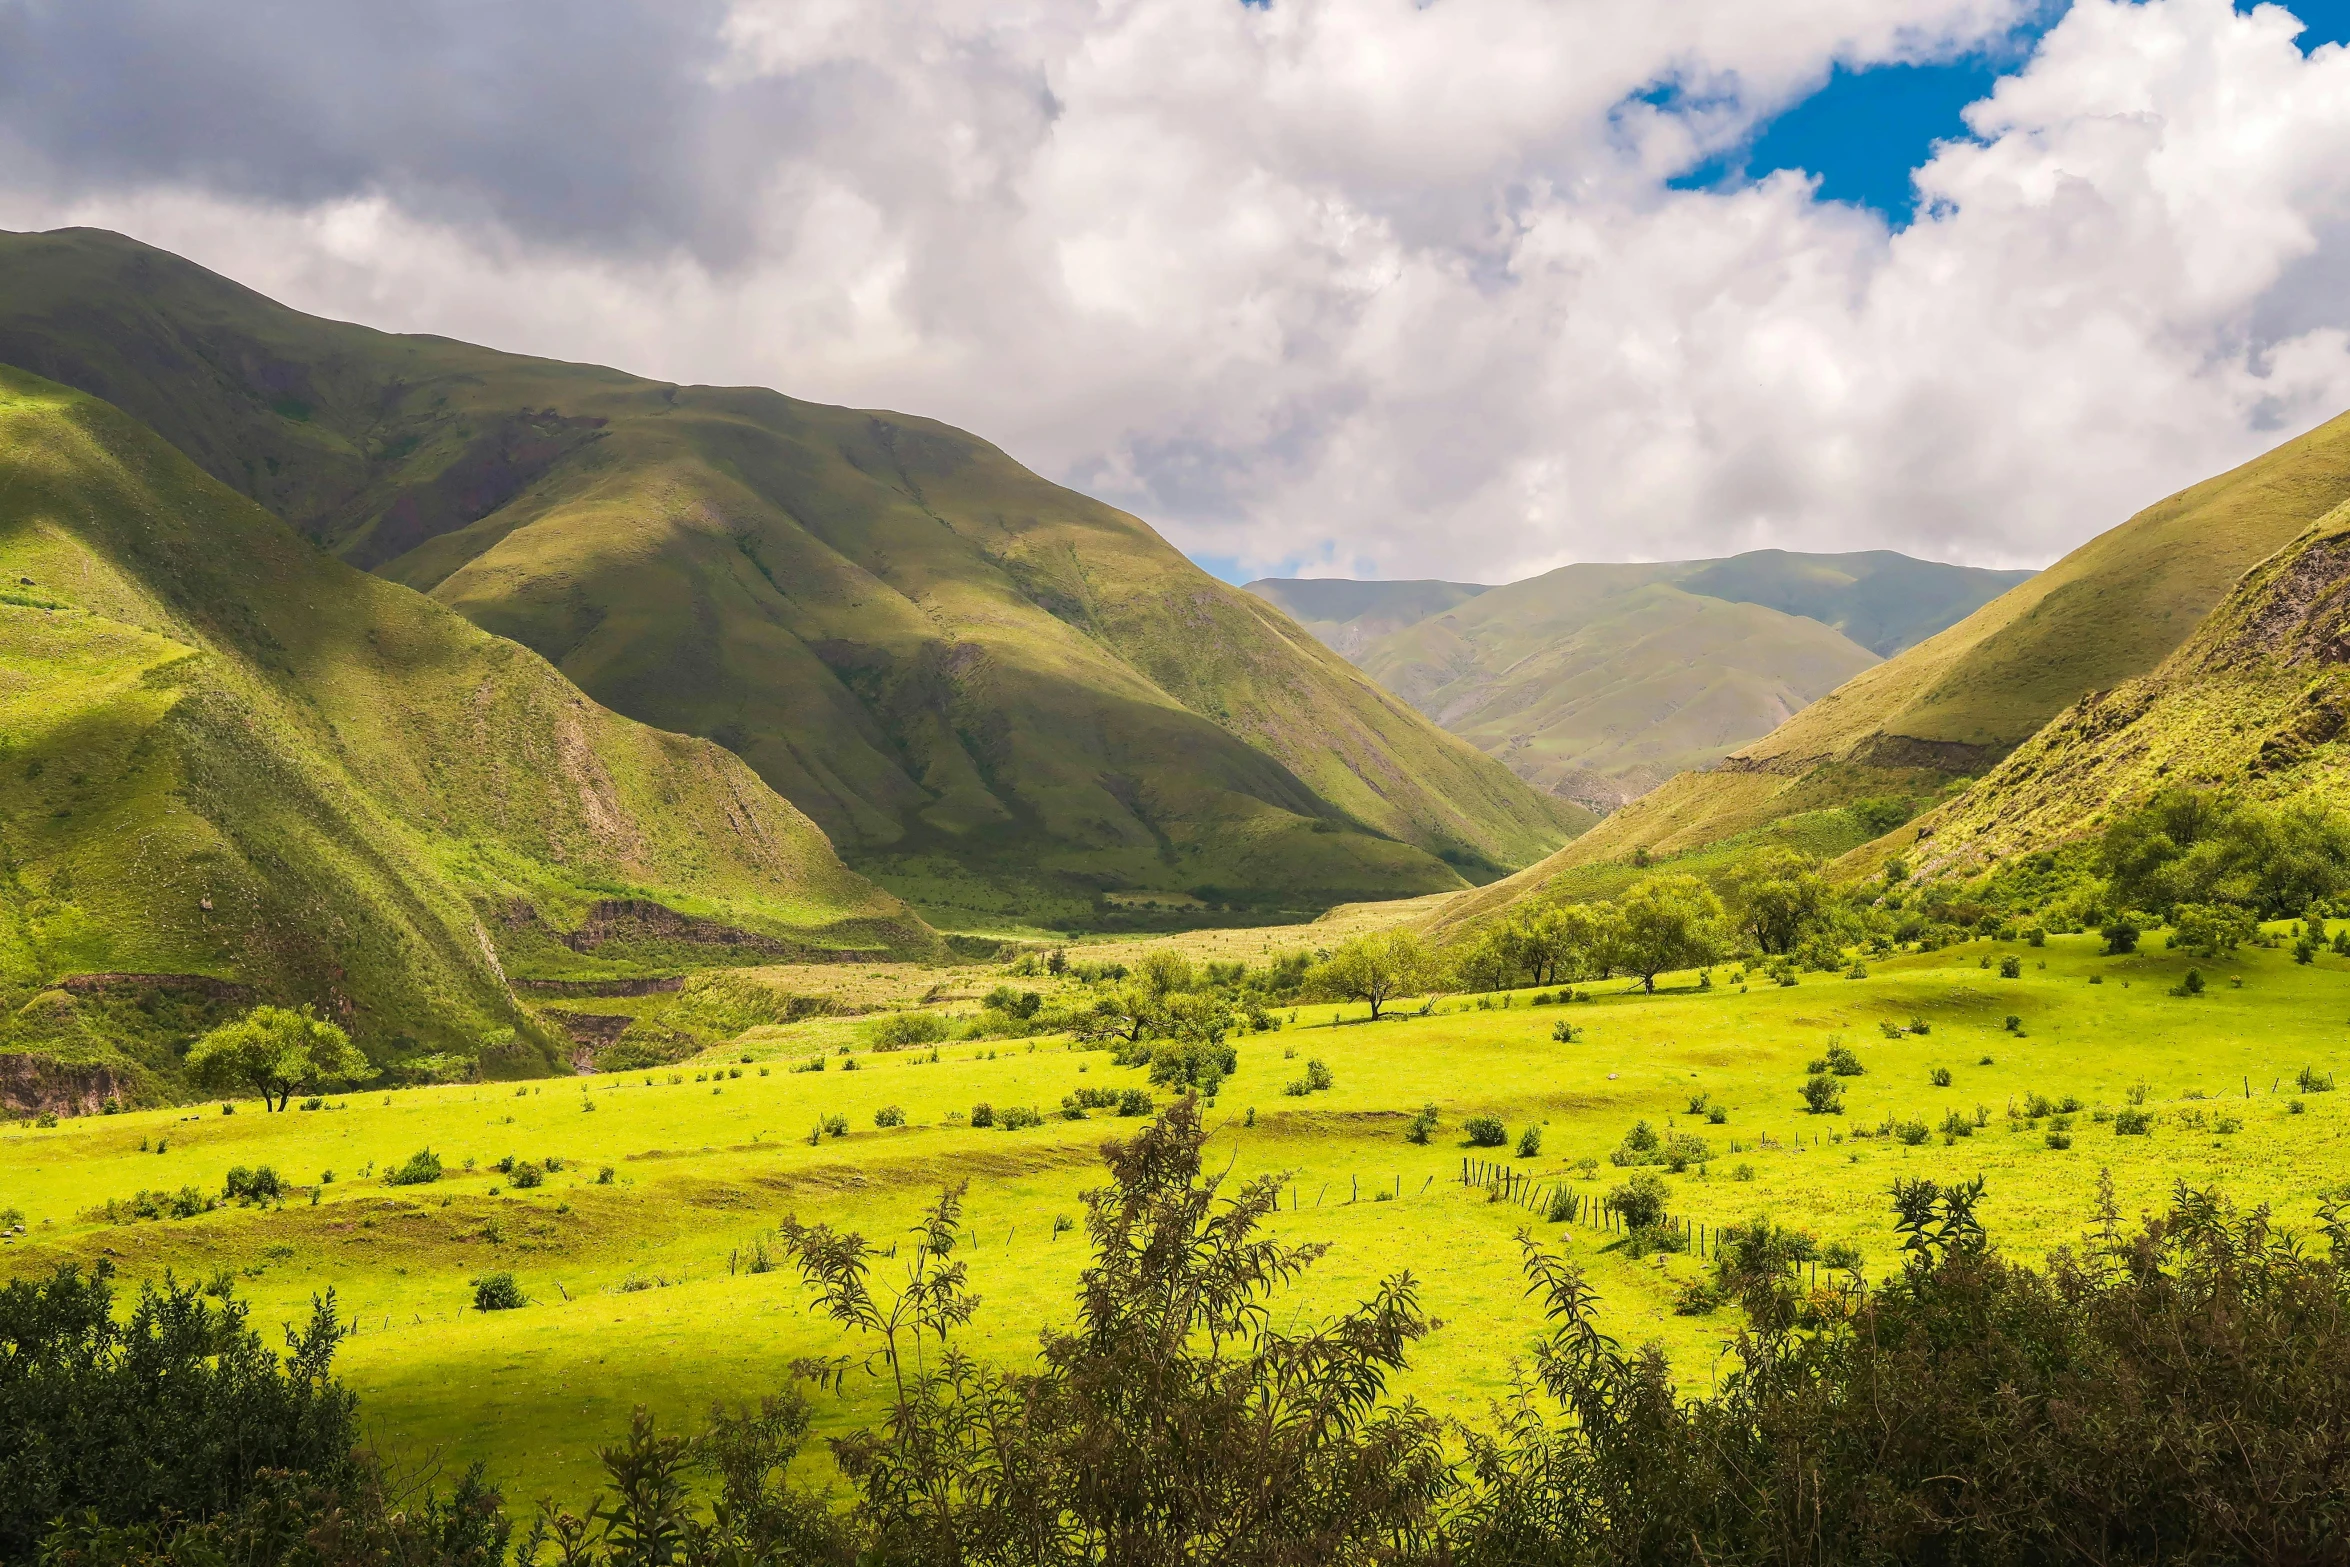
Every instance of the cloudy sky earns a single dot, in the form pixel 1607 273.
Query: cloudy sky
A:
pixel 1460 288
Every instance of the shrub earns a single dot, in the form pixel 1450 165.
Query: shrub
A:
pixel 1744 1172
pixel 1317 1076
pixel 1134 1101
pixel 1843 1062
pixel 1890 1029
pixel 2060 1140
pixel 899 1030
pixel 423 1168
pixel 497 1292
pixel 1912 1131
pixel 983 1115
pixel 1422 1126
pixel 1956 1126
pixel 2132 1122
pixel 1562 1205
pixel 1717 1115
pixel 1485 1131
pixel 2036 937
pixel 1530 1143
pixel 1940 1077
pixel 604 1175
pixel 1697 1298
pixel 1564 1032
pixel 889 1115
pixel 2191 985
pixel 1640 1201
pixel 1681 1150
pixel 2011 967
pixel 2121 938
pixel 1014 1118
pixel 836 1126
pixel 254 1186
pixel 527 1175
pixel 1823 1095
pixel 2312 1081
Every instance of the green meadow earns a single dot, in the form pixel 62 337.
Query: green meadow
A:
pixel 647 1286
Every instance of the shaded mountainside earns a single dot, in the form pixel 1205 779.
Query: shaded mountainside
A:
pixel 2256 703
pixel 993 693
pixel 1953 706
pixel 1598 682
pixel 234 768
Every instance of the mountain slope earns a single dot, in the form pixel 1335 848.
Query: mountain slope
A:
pixel 2256 702
pixel 990 691
pixel 1348 616
pixel 1955 704
pixel 1598 682
pixel 233 767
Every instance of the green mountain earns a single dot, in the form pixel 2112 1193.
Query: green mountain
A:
pixel 1956 704
pixel 1348 616
pixel 232 767
pixel 1004 699
pixel 2255 703
pixel 1599 682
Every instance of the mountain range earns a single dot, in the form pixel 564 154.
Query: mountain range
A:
pixel 1598 682
pixel 1010 703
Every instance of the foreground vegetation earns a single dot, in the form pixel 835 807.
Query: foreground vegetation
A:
pixel 2177 1391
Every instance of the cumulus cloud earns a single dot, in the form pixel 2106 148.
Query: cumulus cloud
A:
pixel 1362 286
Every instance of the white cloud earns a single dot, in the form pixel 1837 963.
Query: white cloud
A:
pixel 1371 285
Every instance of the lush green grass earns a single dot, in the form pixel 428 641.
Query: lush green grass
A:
pixel 702 1168
pixel 231 756
pixel 929 649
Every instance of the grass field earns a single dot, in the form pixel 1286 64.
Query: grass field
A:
pixel 632 1298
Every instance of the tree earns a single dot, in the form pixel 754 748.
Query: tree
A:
pixel 274 1051
pixel 1780 898
pixel 1667 922
pixel 1377 968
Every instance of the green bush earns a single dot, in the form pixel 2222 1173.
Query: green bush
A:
pixel 2131 1121
pixel 1422 1126
pixel 1530 1143
pixel 1133 1101
pixel 254 1186
pixel 889 1115
pixel 1912 1131
pixel 2312 1081
pixel 1485 1131
pixel 899 1030
pixel 2011 967
pixel 1940 1077
pixel 2121 939
pixel 1640 1201
pixel 983 1114
pixel 497 1292
pixel 527 1175
pixel 422 1169
pixel 1823 1095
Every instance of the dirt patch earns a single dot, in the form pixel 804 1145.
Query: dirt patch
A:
pixel 33 1085
pixel 641 919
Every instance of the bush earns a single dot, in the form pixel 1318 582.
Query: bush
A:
pixel 1956 1126
pixel 2121 939
pixel 2060 1140
pixel 1317 1076
pixel 1134 1101
pixel 983 1115
pixel 889 1115
pixel 1640 1201
pixel 899 1030
pixel 1015 1118
pixel 1530 1143
pixel 1682 1150
pixel 1422 1126
pixel 1843 1062
pixel 2312 1081
pixel 1717 1115
pixel 2011 967
pixel 1940 1077
pixel 2132 1122
pixel 1823 1095
pixel 2036 937
pixel 254 1186
pixel 422 1169
pixel 527 1175
pixel 2190 985
pixel 1485 1131
pixel 1912 1132
pixel 604 1175
pixel 497 1292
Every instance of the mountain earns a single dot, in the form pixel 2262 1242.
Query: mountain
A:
pixel 1347 616
pixel 1599 682
pixel 1006 700
pixel 234 768
pixel 1954 705
pixel 2256 703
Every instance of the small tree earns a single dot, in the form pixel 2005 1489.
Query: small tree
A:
pixel 1667 922
pixel 1377 968
pixel 1780 899
pixel 275 1051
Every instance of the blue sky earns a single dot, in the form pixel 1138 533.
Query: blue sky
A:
pixel 1864 131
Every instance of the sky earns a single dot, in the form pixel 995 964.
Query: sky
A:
pixel 1389 288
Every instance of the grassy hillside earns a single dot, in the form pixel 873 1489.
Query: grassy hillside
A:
pixel 2254 703
pixel 1003 698
pixel 233 767
pixel 649 1290
pixel 1349 616
pixel 1599 682
pixel 1953 706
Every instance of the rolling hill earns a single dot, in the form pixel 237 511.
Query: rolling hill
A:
pixel 1956 704
pixel 2254 703
pixel 234 768
pixel 1598 682
pixel 1004 699
pixel 1348 616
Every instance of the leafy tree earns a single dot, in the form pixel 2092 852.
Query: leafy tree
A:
pixel 2193 846
pixel 1179 1420
pixel 1667 922
pixel 2211 930
pixel 277 1051
pixel 1376 968
pixel 1779 897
